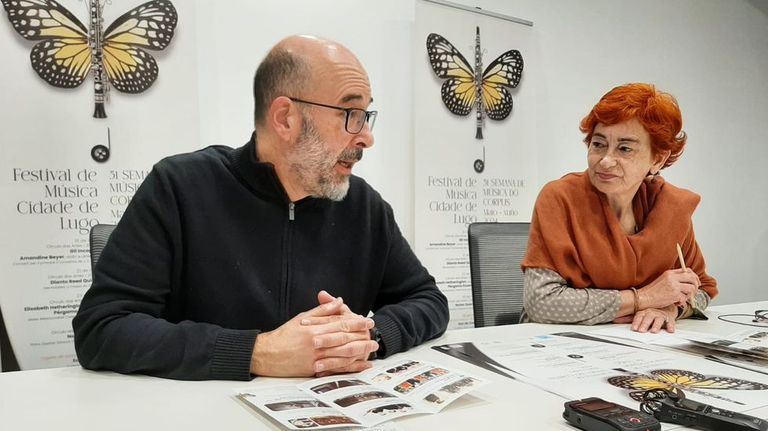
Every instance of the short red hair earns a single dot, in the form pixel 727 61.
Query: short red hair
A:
pixel 657 111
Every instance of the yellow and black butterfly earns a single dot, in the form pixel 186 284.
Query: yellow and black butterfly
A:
pixel 681 380
pixel 68 51
pixel 467 87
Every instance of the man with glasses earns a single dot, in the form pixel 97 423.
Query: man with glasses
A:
pixel 232 263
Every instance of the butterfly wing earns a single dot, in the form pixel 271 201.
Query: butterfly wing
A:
pixel 151 25
pixel 43 19
pixel 638 382
pixel 458 91
pixel 503 72
pixel 63 57
pixel 700 381
pixel 130 70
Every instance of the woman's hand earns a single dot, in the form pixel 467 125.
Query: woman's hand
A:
pixel 652 319
pixel 672 287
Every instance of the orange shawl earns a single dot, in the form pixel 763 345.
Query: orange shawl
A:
pixel 575 233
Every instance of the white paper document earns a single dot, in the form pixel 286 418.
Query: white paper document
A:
pixel 747 342
pixel 577 366
pixel 364 399
pixel 740 349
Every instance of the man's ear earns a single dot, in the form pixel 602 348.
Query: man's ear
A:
pixel 284 118
pixel 661 158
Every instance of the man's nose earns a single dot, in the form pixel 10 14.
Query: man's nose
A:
pixel 364 139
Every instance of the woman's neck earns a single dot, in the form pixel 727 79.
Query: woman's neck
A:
pixel 622 207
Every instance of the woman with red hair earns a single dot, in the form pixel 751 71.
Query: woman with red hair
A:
pixel 603 243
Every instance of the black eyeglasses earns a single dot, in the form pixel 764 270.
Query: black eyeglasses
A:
pixel 356 118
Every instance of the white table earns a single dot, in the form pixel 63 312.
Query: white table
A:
pixel 75 399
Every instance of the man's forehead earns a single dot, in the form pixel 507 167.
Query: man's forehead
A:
pixel 356 97
pixel 337 75
pixel 346 85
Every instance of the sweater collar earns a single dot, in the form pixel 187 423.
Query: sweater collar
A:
pixel 260 176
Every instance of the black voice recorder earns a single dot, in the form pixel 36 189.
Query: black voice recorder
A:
pixel 596 414
pixel 673 407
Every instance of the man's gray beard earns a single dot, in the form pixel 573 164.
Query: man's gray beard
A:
pixel 314 166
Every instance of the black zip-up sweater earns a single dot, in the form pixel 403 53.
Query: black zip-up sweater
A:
pixel 210 252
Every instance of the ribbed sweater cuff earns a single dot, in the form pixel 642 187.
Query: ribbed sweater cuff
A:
pixel 232 355
pixel 390 335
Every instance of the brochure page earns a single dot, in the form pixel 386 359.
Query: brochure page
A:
pixel 388 391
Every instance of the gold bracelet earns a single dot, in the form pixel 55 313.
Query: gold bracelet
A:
pixel 637 300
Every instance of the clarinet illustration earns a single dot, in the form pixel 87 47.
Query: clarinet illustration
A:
pixel 479 85
pixel 100 84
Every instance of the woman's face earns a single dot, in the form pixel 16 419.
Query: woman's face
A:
pixel 619 158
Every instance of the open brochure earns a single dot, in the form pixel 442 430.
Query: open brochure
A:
pixel 364 399
pixel 747 342
pixel 751 343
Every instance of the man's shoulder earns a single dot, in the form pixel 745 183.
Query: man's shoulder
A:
pixel 362 198
pixel 196 166
pixel 360 191
pixel 211 155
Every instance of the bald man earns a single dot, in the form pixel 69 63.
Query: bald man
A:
pixel 264 260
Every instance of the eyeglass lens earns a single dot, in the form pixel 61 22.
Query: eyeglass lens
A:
pixel 356 120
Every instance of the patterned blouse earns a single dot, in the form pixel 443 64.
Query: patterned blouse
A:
pixel 547 298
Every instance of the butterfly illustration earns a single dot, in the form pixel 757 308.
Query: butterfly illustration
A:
pixel 681 380
pixel 68 51
pixel 468 87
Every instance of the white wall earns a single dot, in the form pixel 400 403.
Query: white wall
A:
pixel 713 56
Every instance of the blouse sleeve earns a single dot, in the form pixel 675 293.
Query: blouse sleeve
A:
pixel 548 299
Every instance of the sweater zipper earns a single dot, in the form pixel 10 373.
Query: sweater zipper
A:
pixel 287 260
